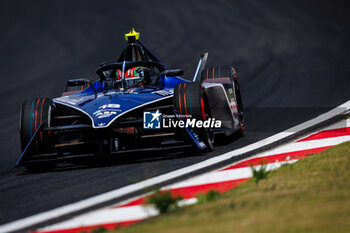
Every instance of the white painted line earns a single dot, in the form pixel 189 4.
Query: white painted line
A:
pixel 106 215
pixel 67 209
pixel 304 145
pixel 213 177
pixel 341 124
pixel 222 176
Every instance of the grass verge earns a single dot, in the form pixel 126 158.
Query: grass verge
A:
pixel 164 202
pixel 312 195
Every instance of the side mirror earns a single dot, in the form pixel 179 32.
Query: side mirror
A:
pixel 81 82
pixel 78 82
pixel 176 72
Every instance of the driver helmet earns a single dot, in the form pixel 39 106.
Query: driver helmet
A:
pixel 131 73
pixel 133 77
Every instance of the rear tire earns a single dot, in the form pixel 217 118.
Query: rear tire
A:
pixel 190 100
pixel 240 108
pixel 33 113
pixel 228 71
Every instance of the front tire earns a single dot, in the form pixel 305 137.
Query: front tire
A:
pixel 33 113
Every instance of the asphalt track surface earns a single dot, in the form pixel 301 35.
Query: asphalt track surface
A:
pixel 292 59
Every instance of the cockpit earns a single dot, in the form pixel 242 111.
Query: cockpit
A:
pixel 136 67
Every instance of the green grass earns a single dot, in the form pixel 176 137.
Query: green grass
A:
pixel 99 230
pixel 312 195
pixel 259 173
pixel 164 202
pixel 211 195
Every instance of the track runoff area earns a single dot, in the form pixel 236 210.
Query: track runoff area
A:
pixel 306 141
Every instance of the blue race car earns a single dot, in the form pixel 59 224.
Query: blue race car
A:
pixel 136 105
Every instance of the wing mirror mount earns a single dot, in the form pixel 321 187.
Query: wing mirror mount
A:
pixel 175 72
pixel 80 82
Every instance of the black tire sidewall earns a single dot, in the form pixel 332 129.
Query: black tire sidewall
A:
pixel 193 94
pixel 28 121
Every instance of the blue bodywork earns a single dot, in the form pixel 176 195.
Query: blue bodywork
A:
pixel 104 102
pixel 110 105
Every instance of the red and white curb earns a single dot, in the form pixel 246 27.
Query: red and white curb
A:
pixel 134 210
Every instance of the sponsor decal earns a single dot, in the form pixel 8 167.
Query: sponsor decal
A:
pixel 104 113
pixel 155 120
pixel 165 92
pixel 151 120
pixel 107 110
pixel 191 123
pixel 76 100
pixel 109 106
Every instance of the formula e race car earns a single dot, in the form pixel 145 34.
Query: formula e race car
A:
pixel 136 105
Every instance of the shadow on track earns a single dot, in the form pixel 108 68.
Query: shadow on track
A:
pixel 106 161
